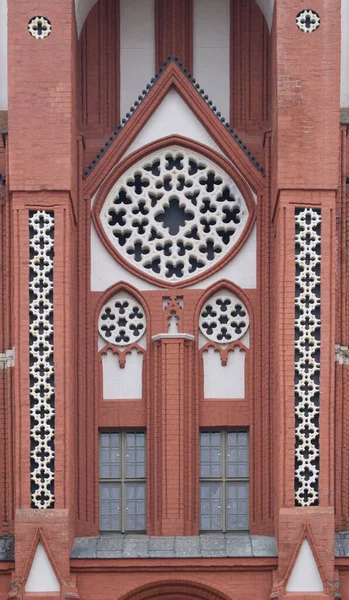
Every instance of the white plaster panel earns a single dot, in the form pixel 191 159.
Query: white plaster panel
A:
pixel 241 270
pixel 82 8
pixel 123 383
pixel 345 55
pixel 172 117
pixel 3 55
pixel 137 49
pixel 305 576
pixel 42 577
pixel 211 45
pixel 106 271
pixel 267 8
pixel 224 381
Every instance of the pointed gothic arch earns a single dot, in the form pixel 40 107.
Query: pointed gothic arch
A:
pixel 173 77
pixel 83 7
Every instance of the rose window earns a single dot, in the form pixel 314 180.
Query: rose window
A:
pixel 224 318
pixel 174 214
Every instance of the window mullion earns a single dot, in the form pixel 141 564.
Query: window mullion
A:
pixel 123 487
pixel 223 467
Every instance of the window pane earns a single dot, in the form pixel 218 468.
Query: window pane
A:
pixel 135 455
pixel 230 512
pixel 109 456
pixel 237 454
pixel 237 505
pixel 210 506
pixel 135 506
pixel 122 505
pixel 110 506
pixel 210 454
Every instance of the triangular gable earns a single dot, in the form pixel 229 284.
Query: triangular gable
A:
pixel 305 575
pixel 305 572
pixel 42 577
pixel 172 117
pixel 41 574
pixel 173 77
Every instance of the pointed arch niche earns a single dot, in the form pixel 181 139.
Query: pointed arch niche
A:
pixel 83 7
pixel 226 340
pixel 122 322
pixel 123 44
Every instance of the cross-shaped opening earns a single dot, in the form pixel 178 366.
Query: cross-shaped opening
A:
pixel 308 21
pixel 174 216
pixel 40 28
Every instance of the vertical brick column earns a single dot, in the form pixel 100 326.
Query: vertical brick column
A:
pixel 173 437
pixel 174 31
pixel 305 168
pixel 42 179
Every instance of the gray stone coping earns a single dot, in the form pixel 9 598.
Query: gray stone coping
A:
pixel 220 545
pixel 224 545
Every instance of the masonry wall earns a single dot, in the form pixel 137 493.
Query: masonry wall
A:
pixel 64 152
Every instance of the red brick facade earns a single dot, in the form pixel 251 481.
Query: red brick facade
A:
pixel 63 154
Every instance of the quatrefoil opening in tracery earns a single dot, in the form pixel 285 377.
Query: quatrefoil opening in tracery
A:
pixel 174 214
pixel 224 318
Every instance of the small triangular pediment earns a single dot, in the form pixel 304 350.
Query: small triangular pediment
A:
pixel 305 575
pixel 42 577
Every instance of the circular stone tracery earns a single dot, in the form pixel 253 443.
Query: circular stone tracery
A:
pixel 121 320
pixel 308 21
pixel 174 214
pixel 39 27
pixel 224 318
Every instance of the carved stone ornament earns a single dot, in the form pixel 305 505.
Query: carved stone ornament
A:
pixel 39 27
pixel 41 331
pixel 308 21
pixel 174 214
pixel 307 355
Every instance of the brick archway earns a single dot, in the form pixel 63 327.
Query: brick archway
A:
pixel 175 590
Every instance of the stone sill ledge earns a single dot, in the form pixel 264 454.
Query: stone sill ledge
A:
pixel 224 545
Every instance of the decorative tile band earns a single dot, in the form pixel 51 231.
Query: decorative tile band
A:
pixel 42 392
pixel 307 354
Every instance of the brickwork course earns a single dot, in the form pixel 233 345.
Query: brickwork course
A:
pixel 64 149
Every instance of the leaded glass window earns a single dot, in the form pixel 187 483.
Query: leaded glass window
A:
pixel 224 480
pixel 122 481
